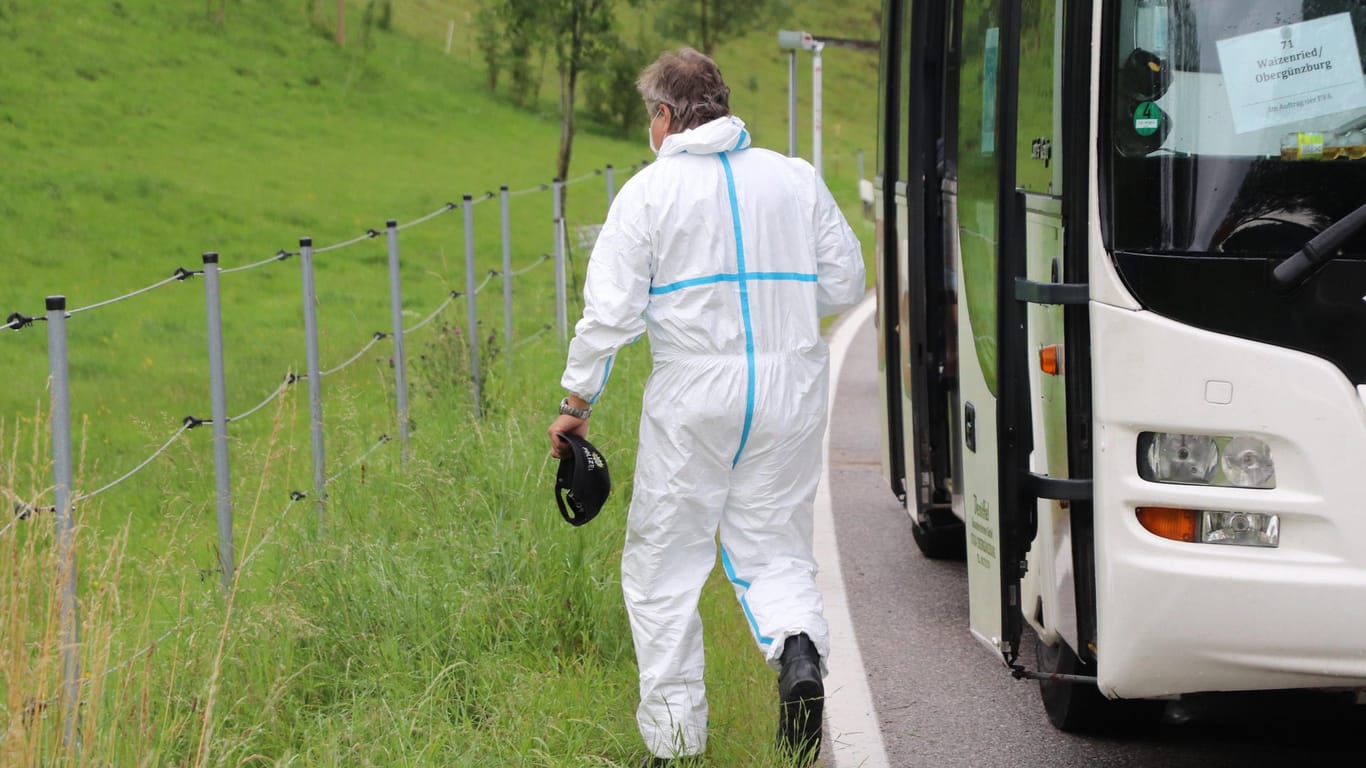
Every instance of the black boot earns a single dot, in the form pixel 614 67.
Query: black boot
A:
pixel 801 699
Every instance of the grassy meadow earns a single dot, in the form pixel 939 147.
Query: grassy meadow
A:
pixel 443 615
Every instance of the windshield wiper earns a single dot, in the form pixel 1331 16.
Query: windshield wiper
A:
pixel 1292 272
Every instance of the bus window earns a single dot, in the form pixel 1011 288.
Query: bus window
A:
pixel 1245 122
pixel 1236 134
pixel 977 166
pixel 1037 133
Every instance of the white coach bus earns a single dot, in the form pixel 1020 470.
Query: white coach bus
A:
pixel 1122 334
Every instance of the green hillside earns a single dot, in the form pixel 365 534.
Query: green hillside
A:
pixel 446 616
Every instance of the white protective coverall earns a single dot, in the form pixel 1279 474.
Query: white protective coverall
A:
pixel 727 256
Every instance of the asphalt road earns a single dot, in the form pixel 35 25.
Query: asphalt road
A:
pixel 942 700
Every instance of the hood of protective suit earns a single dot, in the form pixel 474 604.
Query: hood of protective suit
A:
pixel 724 134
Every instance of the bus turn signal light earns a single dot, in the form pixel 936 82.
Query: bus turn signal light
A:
pixel 1050 359
pixel 1212 526
pixel 1171 522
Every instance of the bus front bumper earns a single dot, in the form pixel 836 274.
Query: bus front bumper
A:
pixel 1175 617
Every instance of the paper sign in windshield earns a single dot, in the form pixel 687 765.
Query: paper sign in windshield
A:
pixel 1292 73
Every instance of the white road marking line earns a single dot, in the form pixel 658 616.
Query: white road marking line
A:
pixel 855 733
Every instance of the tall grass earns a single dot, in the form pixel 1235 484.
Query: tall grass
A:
pixel 447 618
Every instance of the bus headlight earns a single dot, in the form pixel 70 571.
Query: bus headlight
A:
pixel 1239 461
pixel 1247 463
pixel 1174 458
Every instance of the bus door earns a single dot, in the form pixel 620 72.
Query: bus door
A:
pixel 1023 297
pixel 984 216
pixel 890 241
pixel 926 283
pixel 1051 297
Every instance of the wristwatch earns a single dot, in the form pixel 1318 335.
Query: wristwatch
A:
pixel 578 413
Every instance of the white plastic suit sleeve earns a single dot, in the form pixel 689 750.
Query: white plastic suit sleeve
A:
pixel 615 293
pixel 839 257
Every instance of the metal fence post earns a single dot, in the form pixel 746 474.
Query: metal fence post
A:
pixel 507 273
pixel 222 479
pixel 68 630
pixel 792 104
pixel 860 165
pixel 611 186
pixel 315 379
pixel 400 360
pixel 471 308
pixel 561 300
pixel 816 98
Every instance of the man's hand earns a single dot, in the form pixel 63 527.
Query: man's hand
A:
pixel 565 425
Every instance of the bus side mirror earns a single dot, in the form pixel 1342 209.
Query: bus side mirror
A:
pixel 1144 76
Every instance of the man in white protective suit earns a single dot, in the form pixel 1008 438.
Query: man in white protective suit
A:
pixel 727 256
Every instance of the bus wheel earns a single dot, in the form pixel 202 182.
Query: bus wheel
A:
pixel 939 536
pixel 1080 707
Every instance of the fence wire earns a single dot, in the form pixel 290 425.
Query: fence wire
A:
pixel 370 234
pixel 289 379
pixel 529 190
pixel 531 338
pixel 280 255
pixel 585 177
pixel 23 509
pixel 294 498
pixel 439 309
pixel 447 208
pixel 189 424
pixel 17 517
pixel 149 648
pixel 519 272
pixel 377 338
pixel 492 274
pixel 359 459
pixel 181 274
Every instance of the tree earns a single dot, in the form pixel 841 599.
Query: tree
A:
pixel 511 33
pixel 611 93
pixel 707 23
pixel 490 42
pixel 580 31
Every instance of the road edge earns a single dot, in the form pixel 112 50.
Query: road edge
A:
pixel 855 735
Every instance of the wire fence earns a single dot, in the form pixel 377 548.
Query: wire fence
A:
pixel 64 494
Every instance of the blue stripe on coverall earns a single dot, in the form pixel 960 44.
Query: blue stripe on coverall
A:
pixel 744 604
pixel 744 305
pixel 731 277
pixel 602 386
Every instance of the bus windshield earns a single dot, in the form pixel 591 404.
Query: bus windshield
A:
pixel 1236 127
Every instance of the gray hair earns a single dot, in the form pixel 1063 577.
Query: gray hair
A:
pixel 690 83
